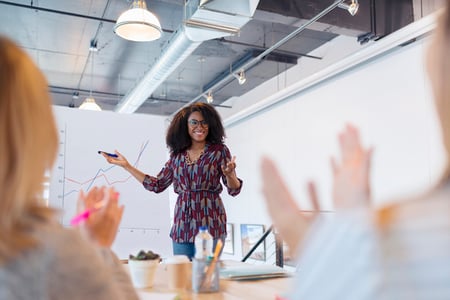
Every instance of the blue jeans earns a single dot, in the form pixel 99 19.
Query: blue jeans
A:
pixel 188 249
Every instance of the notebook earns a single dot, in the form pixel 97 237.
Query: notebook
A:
pixel 252 272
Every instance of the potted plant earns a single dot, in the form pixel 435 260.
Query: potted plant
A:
pixel 143 267
pixel 142 255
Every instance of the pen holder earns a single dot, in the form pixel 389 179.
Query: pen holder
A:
pixel 201 283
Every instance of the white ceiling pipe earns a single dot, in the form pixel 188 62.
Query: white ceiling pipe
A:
pixel 204 21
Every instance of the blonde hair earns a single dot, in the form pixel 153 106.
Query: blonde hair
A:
pixel 28 146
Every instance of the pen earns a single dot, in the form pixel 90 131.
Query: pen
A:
pixel 85 214
pixel 209 273
pixel 109 154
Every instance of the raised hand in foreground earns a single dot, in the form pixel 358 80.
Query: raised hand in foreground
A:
pixel 351 186
pixel 291 223
pixel 351 189
pixel 102 224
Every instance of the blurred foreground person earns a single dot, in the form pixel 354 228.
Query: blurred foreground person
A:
pixel 401 251
pixel 39 259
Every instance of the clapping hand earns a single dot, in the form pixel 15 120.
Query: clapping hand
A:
pixel 102 224
pixel 351 189
pixel 351 186
pixel 291 223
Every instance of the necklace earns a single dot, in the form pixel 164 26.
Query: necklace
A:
pixel 190 161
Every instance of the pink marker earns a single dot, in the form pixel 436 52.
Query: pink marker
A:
pixel 85 214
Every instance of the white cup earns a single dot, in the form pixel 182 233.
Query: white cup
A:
pixel 143 272
pixel 179 272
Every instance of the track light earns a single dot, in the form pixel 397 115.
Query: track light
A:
pixel 209 97
pixel 352 8
pixel 138 24
pixel 240 77
pixel 75 96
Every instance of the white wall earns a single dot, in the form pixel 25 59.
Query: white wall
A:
pixel 387 98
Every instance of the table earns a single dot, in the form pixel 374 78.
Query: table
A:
pixel 229 289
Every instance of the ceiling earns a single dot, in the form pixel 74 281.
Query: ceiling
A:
pixel 58 34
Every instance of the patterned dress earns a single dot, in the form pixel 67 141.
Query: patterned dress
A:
pixel 198 187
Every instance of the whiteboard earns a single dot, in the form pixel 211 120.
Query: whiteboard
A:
pixel 141 139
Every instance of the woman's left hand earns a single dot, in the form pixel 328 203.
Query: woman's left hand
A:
pixel 229 168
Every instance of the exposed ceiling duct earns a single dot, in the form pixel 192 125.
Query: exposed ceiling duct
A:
pixel 224 78
pixel 205 20
pixel 52 32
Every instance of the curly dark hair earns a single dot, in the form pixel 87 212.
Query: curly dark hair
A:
pixel 178 139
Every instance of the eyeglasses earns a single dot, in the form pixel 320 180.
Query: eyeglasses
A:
pixel 194 122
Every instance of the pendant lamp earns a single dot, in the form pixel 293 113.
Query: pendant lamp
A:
pixel 89 103
pixel 138 24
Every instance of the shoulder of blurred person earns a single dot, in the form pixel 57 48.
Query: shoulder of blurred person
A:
pixel 415 246
pixel 64 266
pixel 399 251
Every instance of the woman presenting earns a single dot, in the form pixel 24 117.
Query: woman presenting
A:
pixel 198 160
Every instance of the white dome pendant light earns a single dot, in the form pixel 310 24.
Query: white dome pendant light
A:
pixel 138 24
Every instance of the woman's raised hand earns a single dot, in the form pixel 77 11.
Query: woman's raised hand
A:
pixel 229 168
pixel 105 215
pixel 291 223
pixel 351 187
